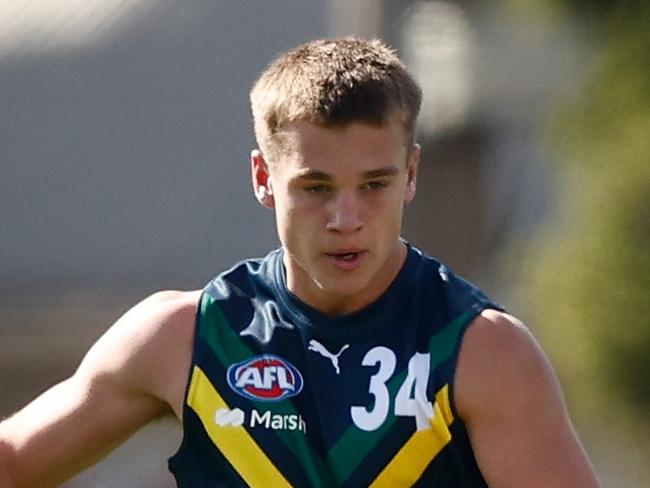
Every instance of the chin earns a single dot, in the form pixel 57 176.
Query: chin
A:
pixel 347 285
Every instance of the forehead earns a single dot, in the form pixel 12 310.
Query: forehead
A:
pixel 354 147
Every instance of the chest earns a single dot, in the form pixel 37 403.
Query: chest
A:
pixel 330 388
pixel 335 408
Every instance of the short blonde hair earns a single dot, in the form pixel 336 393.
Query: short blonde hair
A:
pixel 333 82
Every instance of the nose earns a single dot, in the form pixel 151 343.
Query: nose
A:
pixel 344 214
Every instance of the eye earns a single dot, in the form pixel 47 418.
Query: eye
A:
pixel 374 185
pixel 318 188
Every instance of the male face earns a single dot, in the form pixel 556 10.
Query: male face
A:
pixel 338 195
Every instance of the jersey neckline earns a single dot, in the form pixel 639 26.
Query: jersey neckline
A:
pixel 305 315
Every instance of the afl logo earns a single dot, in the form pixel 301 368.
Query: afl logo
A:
pixel 267 378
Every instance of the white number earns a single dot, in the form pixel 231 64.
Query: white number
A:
pixel 371 419
pixel 411 399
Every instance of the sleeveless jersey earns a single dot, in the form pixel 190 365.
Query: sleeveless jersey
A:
pixel 282 395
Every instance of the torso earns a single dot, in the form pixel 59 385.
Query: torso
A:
pixel 281 395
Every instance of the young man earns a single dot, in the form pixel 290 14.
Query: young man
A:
pixel 345 358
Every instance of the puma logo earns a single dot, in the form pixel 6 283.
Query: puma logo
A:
pixel 316 346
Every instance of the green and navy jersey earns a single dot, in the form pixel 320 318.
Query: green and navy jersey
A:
pixel 280 394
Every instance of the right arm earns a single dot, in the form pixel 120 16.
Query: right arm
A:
pixel 134 373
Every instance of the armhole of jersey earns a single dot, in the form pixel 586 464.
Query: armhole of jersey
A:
pixel 477 308
pixel 175 458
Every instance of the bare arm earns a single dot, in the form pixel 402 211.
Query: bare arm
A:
pixel 128 378
pixel 510 400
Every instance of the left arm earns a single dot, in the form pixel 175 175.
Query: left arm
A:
pixel 510 399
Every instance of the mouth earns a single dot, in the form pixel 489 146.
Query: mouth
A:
pixel 347 259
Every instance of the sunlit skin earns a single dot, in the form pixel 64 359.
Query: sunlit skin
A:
pixel 339 195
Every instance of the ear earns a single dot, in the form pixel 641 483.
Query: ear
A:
pixel 261 180
pixel 412 173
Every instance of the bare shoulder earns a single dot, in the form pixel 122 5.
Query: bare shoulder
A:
pixel 498 354
pixel 165 316
pixel 507 394
pixel 168 312
pixel 134 373
pixel 149 348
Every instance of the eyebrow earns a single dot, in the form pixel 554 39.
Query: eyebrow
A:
pixel 367 175
pixel 378 173
pixel 315 176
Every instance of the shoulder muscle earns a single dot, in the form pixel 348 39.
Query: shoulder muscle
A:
pixel 508 395
pixel 129 377
pixel 148 348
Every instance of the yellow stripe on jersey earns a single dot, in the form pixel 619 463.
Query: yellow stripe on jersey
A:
pixel 235 443
pixel 442 399
pixel 415 455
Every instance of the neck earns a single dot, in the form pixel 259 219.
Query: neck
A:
pixel 329 300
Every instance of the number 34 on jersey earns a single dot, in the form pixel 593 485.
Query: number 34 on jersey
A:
pixel 411 398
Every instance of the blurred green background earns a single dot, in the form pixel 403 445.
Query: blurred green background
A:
pixel 587 269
